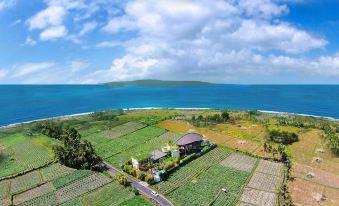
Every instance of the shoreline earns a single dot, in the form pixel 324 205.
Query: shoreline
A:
pixel 164 108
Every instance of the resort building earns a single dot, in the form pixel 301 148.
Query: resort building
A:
pixel 190 142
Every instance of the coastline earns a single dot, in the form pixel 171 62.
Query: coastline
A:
pixel 151 108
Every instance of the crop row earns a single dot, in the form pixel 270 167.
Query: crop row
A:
pixel 268 167
pixel 33 193
pixel 44 200
pixel 186 173
pixel 119 144
pixel 258 197
pixel 81 186
pixel 110 194
pixel 208 185
pixel 264 182
pixel 69 178
pixel 27 155
pixel 122 130
pixel 125 155
pixel 25 182
pixel 240 162
pixel 55 171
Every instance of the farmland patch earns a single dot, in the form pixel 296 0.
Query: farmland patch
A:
pixel 268 167
pixel 266 182
pixel 81 186
pixel 33 193
pixel 122 130
pixel 55 171
pixel 240 162
pixel 258 197
pixel 25 182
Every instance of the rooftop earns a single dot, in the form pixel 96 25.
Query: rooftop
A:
pixel 189 139
pixel 157 154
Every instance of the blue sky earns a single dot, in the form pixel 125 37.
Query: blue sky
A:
pixel 224 41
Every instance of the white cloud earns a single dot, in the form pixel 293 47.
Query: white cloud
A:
pixel 87 27
pixel 110 44
pixel 30 41
pixel 53 33
pixel 16 22
pixel 49 17
pixel 3 73
pixel 77 65
pixel 210 40
pixel 31 68
pixel 5 4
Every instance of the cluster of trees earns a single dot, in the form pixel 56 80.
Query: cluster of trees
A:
pixel 49 128
pixel 171 163
pixel 216 118
pixel 332 137
pixel 74 152
pixel 77 153
pixel 122 179
pixel 283 137
pixel 137 173
pixel 107 115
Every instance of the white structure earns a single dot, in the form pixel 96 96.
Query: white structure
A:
pixel 135 163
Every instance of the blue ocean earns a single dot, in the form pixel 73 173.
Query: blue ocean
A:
pixel 20 103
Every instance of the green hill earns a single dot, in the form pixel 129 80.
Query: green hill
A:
pixel 156 83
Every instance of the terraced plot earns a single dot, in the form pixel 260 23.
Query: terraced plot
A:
pixel 81 187
pixel 33 193
pixel 120 144
pixel 239 162
pixel 110 194
pixel 55 171
pixel 122 130
pixel 69 178
pixel 25 182
pixel 21 153
pixel 147 147
pixel 206 187
pixel 258 197
pixel 186 173
pixel 263 184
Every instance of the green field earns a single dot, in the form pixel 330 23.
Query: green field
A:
pixel 33 178
pixel 22 153
pixel 200 181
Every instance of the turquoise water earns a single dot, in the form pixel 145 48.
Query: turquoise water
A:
pixel 19 103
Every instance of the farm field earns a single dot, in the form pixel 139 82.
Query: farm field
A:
pixel 314 179
pixel 28 152
pixel 249 181
pixel 200 181
pixel 228 139
pixel 261 189
pixel 74 187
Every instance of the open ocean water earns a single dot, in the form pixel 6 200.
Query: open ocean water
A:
pixel 20 103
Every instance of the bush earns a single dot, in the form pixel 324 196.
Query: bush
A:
pixel 122 179
pixel 149 178
pixel 283 137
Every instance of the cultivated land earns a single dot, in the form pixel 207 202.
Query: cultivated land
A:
pixel 239 164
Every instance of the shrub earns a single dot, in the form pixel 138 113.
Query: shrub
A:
pixel 149 178
pixel 122 179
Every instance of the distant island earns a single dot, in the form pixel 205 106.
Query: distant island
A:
pixel 157 83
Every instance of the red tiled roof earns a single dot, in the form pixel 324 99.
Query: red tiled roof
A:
pixel 189 139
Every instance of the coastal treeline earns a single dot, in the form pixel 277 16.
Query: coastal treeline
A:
pixel 74 151
pixel 202 121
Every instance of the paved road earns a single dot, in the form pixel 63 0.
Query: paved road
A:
pixel 161 200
